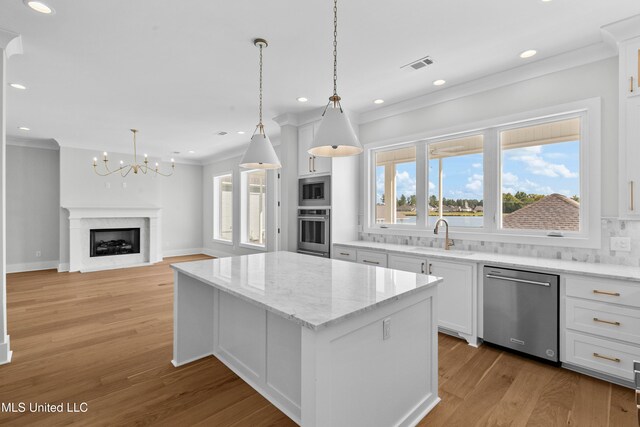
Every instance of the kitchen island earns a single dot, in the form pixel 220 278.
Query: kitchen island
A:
pixel 329 342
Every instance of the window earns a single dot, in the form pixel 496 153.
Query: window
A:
pixel 254 205
pixel 541 177
pixel 396 186
pixel 525 178
pixel 456 181
pixel 223 207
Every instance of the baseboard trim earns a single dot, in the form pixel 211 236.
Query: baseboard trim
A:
pixel 64 267
pixel 182 252
pixel 32 266
pixel 5 352
pixel 216 253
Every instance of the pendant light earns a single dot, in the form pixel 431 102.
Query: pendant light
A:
pixel 335 137
pixel 260 153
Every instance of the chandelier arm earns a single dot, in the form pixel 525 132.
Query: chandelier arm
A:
pixel 127 173
pixel 163 174
pixel 95 169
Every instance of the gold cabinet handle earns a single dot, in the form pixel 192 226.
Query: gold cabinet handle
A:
pixel 345 253
pixel 632 207
pixel 601 356
pixel 371 262
pixel 613 294
pixel 609 322
pixel 430 268
pixel 310 170
pixel 631 85
pixel 422 268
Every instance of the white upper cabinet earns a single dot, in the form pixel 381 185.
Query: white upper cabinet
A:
pixel 308 164
pixel 630 159
pixel 630 50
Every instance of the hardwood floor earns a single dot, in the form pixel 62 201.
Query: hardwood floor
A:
pixel 105 338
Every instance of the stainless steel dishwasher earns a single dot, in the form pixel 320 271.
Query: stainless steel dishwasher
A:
pixel 521 311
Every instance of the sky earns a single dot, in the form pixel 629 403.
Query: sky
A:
pixel 542 169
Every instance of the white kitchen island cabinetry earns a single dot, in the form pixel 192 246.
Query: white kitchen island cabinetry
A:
pixel 330 343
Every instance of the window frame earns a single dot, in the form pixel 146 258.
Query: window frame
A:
pixel 244 205
pixel 590 178
pixel 216 210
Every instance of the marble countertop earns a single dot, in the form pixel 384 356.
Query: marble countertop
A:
pixel 312 291
pixel 620 272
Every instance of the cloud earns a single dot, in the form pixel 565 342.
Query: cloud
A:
pixel 512 183
pixel 405 184
pixel 432 186
pixel 474 183
pixel 476 165
pixel 537 165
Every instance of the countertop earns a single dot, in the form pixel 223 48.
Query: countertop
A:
pixel 610 271
pixel 311 291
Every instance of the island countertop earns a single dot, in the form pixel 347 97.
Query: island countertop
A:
pixel 311 291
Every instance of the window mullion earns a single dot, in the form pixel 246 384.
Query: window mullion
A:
pixel 421 186
pixel 492 191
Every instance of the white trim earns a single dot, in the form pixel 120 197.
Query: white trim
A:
pixel 214 223
pixel 216 253
pixel 586 55
pixel 32 266
pixel 181 252
pixel 42 144
pixel 590 147
pixel 63 267
pixel 222 242
pixel 253 247
pixel 5 351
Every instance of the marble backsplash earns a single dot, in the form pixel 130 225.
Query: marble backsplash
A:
pixel 610 228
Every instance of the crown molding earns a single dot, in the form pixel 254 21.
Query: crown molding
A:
pixel 10 42
pixel 286 119
pixel 624 29
pixel 589 54
pixel 42 144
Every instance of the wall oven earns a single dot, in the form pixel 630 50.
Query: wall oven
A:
pixel 314 232
pixel 314 191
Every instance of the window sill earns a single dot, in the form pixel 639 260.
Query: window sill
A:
pixel 480 235
pixel 222 242
pixel 254 247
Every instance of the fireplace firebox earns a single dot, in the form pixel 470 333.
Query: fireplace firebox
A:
pixel 114 241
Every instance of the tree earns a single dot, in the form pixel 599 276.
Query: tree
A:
pixel 402 200
pixel 382 199
pixel 433 201
pixel 510 203
pixel 412 200
pixel 576 198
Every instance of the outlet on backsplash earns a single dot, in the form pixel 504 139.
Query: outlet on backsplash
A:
pixel 621 244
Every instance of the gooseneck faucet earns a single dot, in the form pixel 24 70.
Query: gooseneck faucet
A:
pixel 447 242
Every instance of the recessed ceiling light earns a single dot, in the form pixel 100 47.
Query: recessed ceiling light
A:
pixel 39 6
pixel 17 86
pixel 302 99
pixel 546 1
pixel 439 82
pixel 24 128
pixel 379 101
pixel 191 152
pixel 241 132
pixel 528 53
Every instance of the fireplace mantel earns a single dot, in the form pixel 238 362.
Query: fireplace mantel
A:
pixel 83 218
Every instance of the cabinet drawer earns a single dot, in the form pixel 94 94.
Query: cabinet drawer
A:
pixel 606 320
pixel 601 355
pixel 407 263
pixel 613 291
pixel 346 254
pixel 372 258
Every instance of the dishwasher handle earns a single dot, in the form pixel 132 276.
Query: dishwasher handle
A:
pixel 513 279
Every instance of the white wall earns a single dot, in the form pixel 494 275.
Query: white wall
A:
pixel 178 196
pixel 216 248
pixel 33 192
pixel 598 79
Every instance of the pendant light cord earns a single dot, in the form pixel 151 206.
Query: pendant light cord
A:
pixel 260 125
pixel 335 47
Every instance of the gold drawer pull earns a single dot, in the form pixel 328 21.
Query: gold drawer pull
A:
pixel 613 359
pixel 595 319
pixel 371 262
pixel 613 294
pixel 345 253
pixel 631 85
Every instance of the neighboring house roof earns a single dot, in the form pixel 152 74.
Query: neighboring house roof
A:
pixel 552 212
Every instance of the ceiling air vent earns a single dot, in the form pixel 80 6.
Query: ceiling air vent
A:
pixel 420 63
pixel 222 133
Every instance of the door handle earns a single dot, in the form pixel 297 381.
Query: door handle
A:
pixel 513 279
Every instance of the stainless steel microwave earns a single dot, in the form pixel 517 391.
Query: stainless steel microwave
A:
pixel 314 191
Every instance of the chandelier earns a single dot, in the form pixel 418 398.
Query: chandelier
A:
pixel 136 167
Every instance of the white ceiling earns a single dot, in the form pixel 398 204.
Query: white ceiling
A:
pixel 180 71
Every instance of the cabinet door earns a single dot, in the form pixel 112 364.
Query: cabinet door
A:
pixel 455 295
pixel 378 259
pixel 631 188
pixel 405 263
pixel 632 54
pixel 320 165
pixel 305 138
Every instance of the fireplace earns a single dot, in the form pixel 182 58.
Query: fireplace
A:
pixel 114 241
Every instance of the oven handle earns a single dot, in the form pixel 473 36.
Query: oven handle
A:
pixel 313 218
pixel 302 251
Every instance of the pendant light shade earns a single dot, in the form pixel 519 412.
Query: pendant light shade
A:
pixel 335 136
pixel 260 153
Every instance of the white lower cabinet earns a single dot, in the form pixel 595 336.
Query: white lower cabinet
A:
pixel 457 295
pixel 601 330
